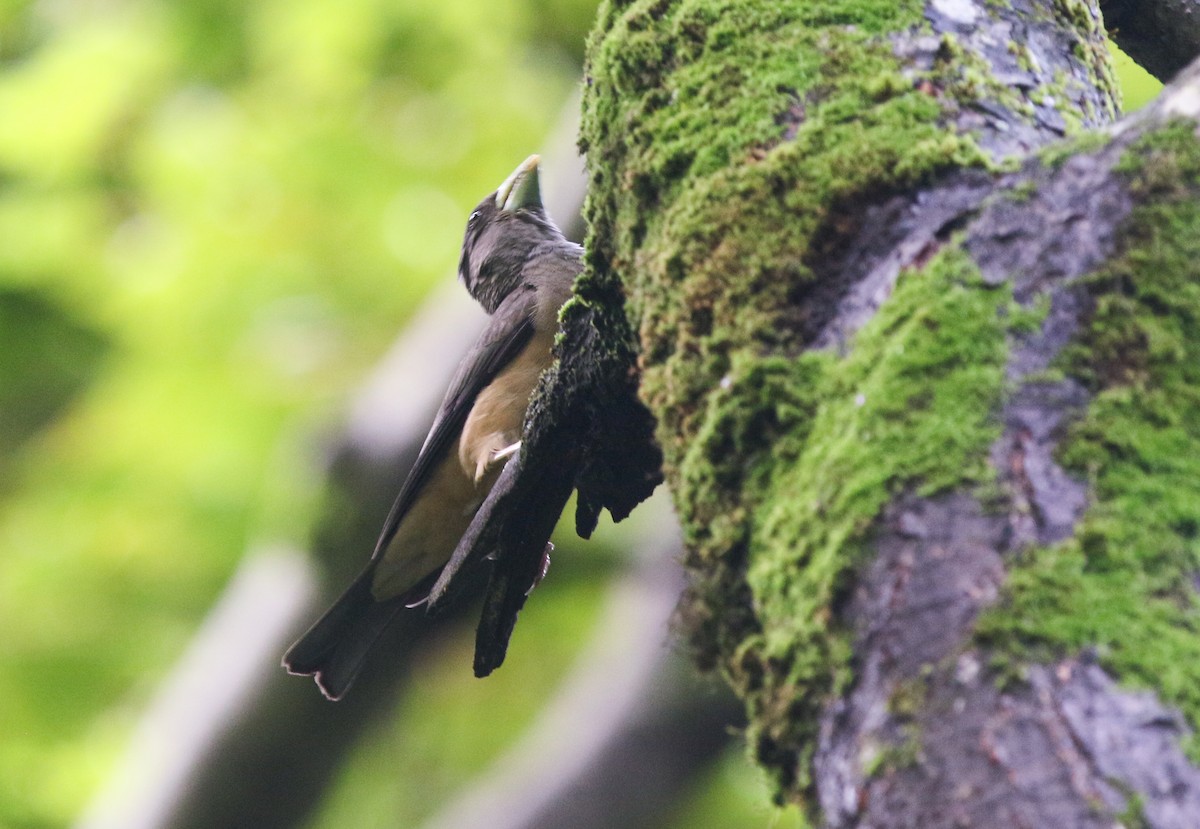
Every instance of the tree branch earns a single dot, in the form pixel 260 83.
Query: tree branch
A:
pixel 916 412
pixel 1163 36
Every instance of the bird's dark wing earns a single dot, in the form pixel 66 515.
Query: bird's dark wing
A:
pixel 507 332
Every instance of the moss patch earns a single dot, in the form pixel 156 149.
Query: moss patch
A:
pixel 733 146
pixel 1091 48
pixel 714 188
pixel 1126 583
pixel 927 371
pixel 1056 155
pixel 718 182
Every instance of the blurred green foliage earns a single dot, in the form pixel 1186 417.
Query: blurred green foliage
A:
pixel 1137 85
pixel 214 216
pixel 46 357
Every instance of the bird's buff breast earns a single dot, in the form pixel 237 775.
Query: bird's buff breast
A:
pixel 499 412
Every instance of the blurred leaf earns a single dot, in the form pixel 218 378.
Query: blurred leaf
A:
pixel 1138 87
pixel 46 359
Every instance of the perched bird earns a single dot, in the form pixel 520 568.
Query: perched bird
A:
pixel 517 264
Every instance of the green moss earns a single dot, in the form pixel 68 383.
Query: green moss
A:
pixel 732 145
pixel 763 408
pixel 908 698
pixel 1025 58
pixel 1124 583
pixel 1091 49
pixel 1055 155
pixel 966 78
pixel 927 371
pixel 1028 320
pixel 1077 13
pixel 894 757
pixel 712 209
pixel 1022 191
pixel 713 188
pixel 1134 814
pixel 1047 376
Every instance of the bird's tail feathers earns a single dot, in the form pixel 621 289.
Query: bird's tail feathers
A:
pixel 333 649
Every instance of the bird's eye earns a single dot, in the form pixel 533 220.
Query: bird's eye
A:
pixel 474 217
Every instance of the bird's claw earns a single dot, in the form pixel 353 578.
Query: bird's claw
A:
pixel 493 459
pixel 506 452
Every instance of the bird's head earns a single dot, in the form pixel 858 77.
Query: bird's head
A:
pixel 503 232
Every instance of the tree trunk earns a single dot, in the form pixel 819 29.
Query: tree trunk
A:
pixel 927 382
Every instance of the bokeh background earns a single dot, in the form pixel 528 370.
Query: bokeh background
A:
pixel 215 216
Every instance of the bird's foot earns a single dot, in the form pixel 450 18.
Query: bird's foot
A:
pixel 493 460
pixel 506 452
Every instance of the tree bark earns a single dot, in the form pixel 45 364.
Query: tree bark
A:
pixel 926 379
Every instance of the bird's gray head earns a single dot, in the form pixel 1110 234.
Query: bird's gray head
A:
pixel 505 230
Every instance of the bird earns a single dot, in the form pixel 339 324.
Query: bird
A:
pixel 517 264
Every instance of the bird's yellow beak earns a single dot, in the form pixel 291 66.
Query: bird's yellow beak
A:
pixel 521 189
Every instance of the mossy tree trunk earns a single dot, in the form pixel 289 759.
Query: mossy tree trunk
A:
pixel 921 330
